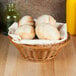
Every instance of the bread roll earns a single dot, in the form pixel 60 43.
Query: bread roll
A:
pixel 47 32
pixel 25 32
pixel 26 20
pixel 46 19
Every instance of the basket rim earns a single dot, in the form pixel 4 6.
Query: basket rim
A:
pixel 43 46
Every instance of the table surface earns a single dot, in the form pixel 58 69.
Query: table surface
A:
pixel 12 64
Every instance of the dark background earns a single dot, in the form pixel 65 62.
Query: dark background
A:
pixel 35 8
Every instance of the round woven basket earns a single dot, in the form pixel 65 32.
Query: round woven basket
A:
pixel 40 52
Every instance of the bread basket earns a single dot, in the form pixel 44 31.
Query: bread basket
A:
pixel 40 52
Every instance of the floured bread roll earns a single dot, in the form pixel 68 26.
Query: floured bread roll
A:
pixel 26 20
pixel 26 32
pixel 47 32
pixel 46 19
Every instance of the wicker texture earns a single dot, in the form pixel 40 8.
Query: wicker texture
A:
pixel 40 52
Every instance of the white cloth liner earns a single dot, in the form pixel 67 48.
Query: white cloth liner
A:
pixel 17 38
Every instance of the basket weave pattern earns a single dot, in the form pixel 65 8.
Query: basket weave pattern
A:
pixel 40 52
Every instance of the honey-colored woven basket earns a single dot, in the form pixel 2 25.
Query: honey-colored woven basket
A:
pixel 40 52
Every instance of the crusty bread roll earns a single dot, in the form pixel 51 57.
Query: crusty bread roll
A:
pixel 46 19
pixel 26 20
pixel 26 32
pixel 47 32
